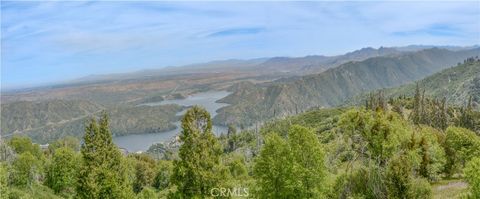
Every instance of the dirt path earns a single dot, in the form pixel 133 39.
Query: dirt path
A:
pixel 450 185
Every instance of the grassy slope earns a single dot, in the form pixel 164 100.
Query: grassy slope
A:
pixel 449 189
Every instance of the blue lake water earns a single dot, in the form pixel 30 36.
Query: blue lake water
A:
pixel 141 142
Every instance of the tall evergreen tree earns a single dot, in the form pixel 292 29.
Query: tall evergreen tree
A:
pixel 443 123
pixel 102 174
pixel 415 115
pixel 87 186
pixel 197 170
pixel 467 119
pixel 232 137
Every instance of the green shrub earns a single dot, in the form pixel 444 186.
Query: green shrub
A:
pixel 147 193
pixel 460 145
pixel 419 189
pixel 163 174
pixel 472 175
pixel 362 182
pixel 24 170
pixel 432 154
pixel 62 172
pixel 380 135
pixel 3 181
pixel 399 176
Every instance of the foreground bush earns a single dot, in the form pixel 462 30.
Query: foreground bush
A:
pixel 472 175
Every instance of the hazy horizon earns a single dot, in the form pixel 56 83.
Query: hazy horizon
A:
pixel 46 46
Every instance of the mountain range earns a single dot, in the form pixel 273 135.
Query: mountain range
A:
pixel 261 89
pixel 259 102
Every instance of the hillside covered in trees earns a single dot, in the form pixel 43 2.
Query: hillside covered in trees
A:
pixel 404 147
pixel 53 119
pixel 260 102
pixel 456 84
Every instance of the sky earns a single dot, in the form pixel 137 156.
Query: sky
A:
pixel 54 41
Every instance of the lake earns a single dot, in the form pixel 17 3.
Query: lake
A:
pixel 141 142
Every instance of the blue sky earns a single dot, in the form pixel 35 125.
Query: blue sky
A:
pixel 45 42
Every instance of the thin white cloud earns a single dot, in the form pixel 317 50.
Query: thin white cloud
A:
pixel 97 37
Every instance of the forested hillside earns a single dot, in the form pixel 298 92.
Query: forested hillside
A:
pixel 24 115
pixel 54 119
pixel 456 84
pixel 391 148
pixel 259 102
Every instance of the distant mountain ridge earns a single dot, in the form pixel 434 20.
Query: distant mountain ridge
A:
pixel 447 47
pixel 318 63
pixel 299 65
pixel 273 65
pixel 294 65
pixel 332 87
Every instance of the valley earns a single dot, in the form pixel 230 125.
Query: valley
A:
pixel 240 99
pixel 121 94
pixel 141 142
pixel 146 110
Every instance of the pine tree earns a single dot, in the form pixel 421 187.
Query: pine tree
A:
pixel 415 115
pixel 382 104
pixel 102 174
pixel 87 185
pixel 114 183
pixel 467 119
pixel 443 123
pixel 197 170
pixel 231 136
pixel 423 110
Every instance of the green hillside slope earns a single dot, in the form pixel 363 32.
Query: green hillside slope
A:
pixel 456 84
pixel 49 120
pixel 332 87
pixel 24 115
